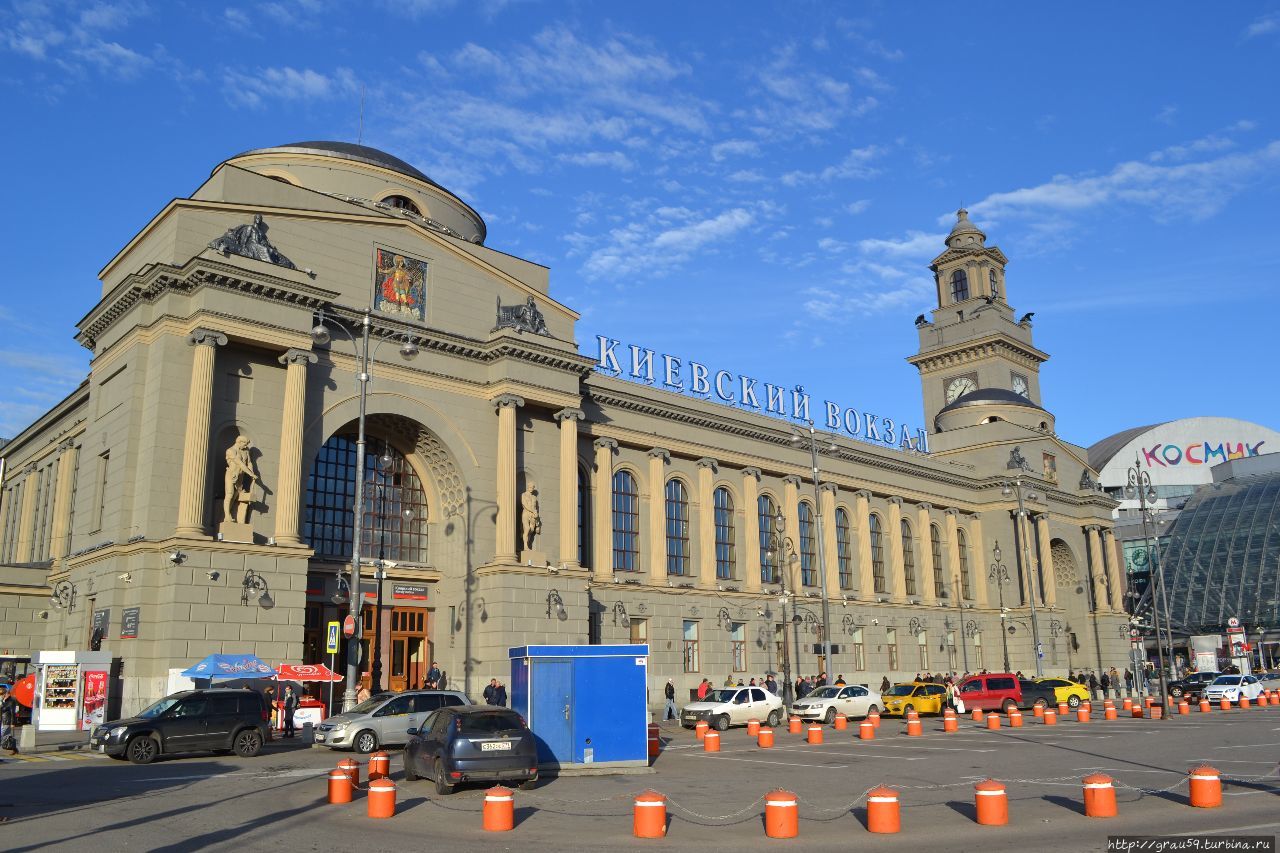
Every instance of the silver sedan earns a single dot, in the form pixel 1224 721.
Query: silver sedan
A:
pixel 823 704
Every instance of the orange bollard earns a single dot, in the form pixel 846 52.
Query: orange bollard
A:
pixel 913 714
pixel 1063 709
pixel 765 739
pixel 794 725
pixel 1149 701
pixel 1082 714
pixel 1037 710
pixel 915 728
pixel 1015 718
pixel 1100 794
pixel 1110 713
pixel 882 810
pixel 1157 712
pixel 499 809
pixel 950 724
pixel 1128 704
pixel 978 716
pixel 650 819
pixel 866 730
pixel 700 730
pixel 1224 705
pixel 382 798
pixel 1262 700
pixel 781 814
pixel 1205 706
pixel 991 803
pixel 352 769
pixel 1244 702
pixel 753 727
pixel 1137 712
pixel 815 734
pixel 1050 717
pixel 874 717
pixel 339 787
pixel 993 721
pixel 711 742
pixel 841 722
pixel 379 765
pixel 1107 703
pixel 1206 787
pixel 1183 708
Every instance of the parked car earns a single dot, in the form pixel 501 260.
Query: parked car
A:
pixel 1002 691
pixel 1066 690
pixel 1193 685
pixel 824 703
pixel 1234 688
pixel 384 719
pixel 471 744
pixel 220 720
pixel 919 696
pixel 733 706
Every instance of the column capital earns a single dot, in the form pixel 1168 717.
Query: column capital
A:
pixel 1093 528
pixel 29 468
pixel 298 356
pixel 829 487
pixel 708 462
pixel 605 444
pixel 1106 531
pixel 865 494
pixel 207 337
pixel 508 400
pixel 953 512
pixel 924 506
pixel 1040 516
pixel 792 480
pixel 655 453
pixel 752 472
pixel 570 414
pixel 895 500
pixel 66 444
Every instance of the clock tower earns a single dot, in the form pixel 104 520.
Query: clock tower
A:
pixel 977 364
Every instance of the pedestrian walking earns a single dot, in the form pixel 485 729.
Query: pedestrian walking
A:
pixel 1093 685
pixel 703 689
pixel 490 690
pixel 290 705
pixel 1105 682
pixel 8 719
pixel 1114 676
pixel 669 691
pixel 1128 682
pixel 500 695
pixel 884 685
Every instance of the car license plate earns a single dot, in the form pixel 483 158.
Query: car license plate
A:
pixel 496 746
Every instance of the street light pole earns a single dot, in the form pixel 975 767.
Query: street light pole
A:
pixel 780 550
pixel 1024 566
pixel 1139 486
pixel 822 557
pixel 1000 574
pixel 960 623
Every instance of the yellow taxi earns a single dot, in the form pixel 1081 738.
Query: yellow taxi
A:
pixel 920 696
pixel 1065 690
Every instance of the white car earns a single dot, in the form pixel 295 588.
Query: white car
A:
pixel 823 704
pixel 733 706
pixel 1233 688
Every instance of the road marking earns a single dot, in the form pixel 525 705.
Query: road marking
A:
pixel 1247 746
pixel 860 753
pixel 781 763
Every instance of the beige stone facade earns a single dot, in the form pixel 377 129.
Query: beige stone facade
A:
pixel 119 489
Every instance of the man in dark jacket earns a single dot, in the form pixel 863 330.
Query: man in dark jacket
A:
pixel 500 695
pixel 290 705
pixel 670 693
pixel 771 685
pixel 1105 681
pixel 433 676
pixel 1093 684
pixel 491 692
pixel 8 717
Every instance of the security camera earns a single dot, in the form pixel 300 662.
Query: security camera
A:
pixel 44 614
pixel 389 564
pixel 126 577
pixel 875 621
pixel 212 575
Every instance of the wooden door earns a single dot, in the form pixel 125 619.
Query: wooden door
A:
pixel 410 652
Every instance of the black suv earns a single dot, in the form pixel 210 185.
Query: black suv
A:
pixel 1193 685
pixel 221 720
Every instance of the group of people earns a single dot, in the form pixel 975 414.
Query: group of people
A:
pixel 495 693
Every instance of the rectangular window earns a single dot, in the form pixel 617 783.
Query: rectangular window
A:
pixel 639 631
pixel 922 642
pixel 844 549
pixel 40 516
pixel 808 550
pixel 891 646
pixel 100 510
pixel 859 651
pixel 951 651
pixel 726 560
pixel 738 636
pixel 977 652
pixel 691 661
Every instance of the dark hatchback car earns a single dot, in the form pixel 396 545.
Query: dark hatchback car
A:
pixel 475 743
pixel 217 720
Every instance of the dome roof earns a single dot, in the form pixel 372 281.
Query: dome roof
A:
pixel 964 226
pixel 987 396
pixel 349 151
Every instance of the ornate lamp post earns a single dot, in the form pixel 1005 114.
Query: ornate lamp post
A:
pixel 1014 487
pixel 782 549
pixel 1000 574
pixel 1139 486
pixel 796 438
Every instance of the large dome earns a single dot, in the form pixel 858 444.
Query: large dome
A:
pixel 348 151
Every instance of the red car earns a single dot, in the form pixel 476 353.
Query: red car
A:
pixel 1003 691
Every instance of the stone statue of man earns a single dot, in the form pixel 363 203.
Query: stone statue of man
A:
pixel 531 521
pixel 238 483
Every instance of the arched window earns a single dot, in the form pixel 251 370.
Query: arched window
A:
pixel 844 549
pixel 808 559
pixel 401 203
pixel 726 559
pixel 626 523
pixel 908 559
pixel 962 545
pixel 877 553
pixel 677 528
pixel 995 287
pixel 584 518
pixel 935 548
pixel 394 524
pixel 959 286
pixel 766 509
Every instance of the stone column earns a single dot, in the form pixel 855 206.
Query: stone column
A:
pixel 979 559
pixel 1098 579
pixel 505 546
pixel 62 500
pixel 862 524
pixel 1114 575
pixel 829 546
pixel 951 553
pixel 897 578
pixel 924 553
pixel 1045 555
pixel 659 459
pixel 707 523
pixel 569 498
pixel 195 443
pixel 26 521
pixel 791 512
pixel 602 504
pixel 289 481
pixel 751 529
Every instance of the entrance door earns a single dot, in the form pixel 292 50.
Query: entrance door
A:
pixel 551 709
pixel 410 652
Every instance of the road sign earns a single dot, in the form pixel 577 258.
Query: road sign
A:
pixel 349 626
pixel 331 645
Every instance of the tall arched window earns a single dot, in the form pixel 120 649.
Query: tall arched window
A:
pixel 394 524
pixel 935 547
pixel 877 553
pixel 584 518
pixel 677 528
pixel 995 287
pixel 808 559
pixel 962 545
pixel 959 286
pixel 766 509
pixel 908 559
pixel 726 559
pixel 844 549
pixel 626 523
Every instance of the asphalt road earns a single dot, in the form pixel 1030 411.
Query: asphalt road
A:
pixel 277 800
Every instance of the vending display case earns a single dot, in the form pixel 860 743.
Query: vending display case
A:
pixel 73 689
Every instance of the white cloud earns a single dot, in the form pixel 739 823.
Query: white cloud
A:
pixel 747 176
pixel 734 148
pixel 252 89
pixel 863 299
pixel 1167 114
pixel 793 99
pixel 611 159
pixel 855 165
pixel 660 241
pixel 1265 25
pixel 72 38
pixel 916 244
pixel 859 206
pixel 1217 141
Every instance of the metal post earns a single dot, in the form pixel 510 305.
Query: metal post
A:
pixel 1036 587
pixel 1140 482
pixel 964 649
pixel 822 558
pixel 357 595
pixel 1000 574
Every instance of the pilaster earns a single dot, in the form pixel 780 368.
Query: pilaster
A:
pixel 830 551
pixel 659 459
pixel 862 524
pixel 751 529
pixel 288 509
pixel 978 562
pixel 504 549
pixel 896 569
pixel 924 553
pixel 569 497
pixel 602 503
pixel 1114 575
pixel 707 468
pixel 195 443
pixel 1045 555
pixel 58 537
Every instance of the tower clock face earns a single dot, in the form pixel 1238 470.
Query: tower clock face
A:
pixel 960 386
pixel 1020 386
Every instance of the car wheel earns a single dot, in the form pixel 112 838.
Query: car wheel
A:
pixel 908 709
pixel 872 709
pixel 443 788
pixel 1042 704
pixel 365 742
pixel 1073 701
pixel 248 743
pixel 1008 705
pixel 830 717
pixel 721 723
pixel 410 775
pixel 142 749
pixel 1176 691
pixel 529 784
pixel 775 718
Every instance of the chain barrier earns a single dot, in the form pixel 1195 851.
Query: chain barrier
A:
pixel 715 818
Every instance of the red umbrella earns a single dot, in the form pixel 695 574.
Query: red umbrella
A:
pixel 305 672
pixel 24 690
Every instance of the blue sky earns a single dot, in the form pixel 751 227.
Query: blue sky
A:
pixel 755 187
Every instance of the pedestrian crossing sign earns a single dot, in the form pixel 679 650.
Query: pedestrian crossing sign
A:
pixel 331 646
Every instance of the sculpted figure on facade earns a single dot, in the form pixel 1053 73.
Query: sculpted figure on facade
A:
pixel 529 517
pixel 522 318
pixel 250 241
pixel 238 482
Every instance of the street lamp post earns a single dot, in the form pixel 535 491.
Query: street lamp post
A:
pixel 321 335
pixel 782 550
pixel 1024 564
pixel 1139 486
pixel 1000 574
pixel 796 438
pixel 960 627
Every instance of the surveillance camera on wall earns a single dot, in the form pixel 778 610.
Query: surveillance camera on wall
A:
pixel 126 577
pixel 875 621
pixel 212 575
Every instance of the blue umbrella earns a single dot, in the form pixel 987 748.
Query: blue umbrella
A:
pixel 216 667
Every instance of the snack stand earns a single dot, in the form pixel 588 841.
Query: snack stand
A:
pixel 73 690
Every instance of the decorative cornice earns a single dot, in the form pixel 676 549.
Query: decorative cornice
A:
pixel 298 356
pixel 959 355
pixel 570 414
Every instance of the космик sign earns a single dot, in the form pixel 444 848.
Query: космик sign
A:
pixel 691 377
